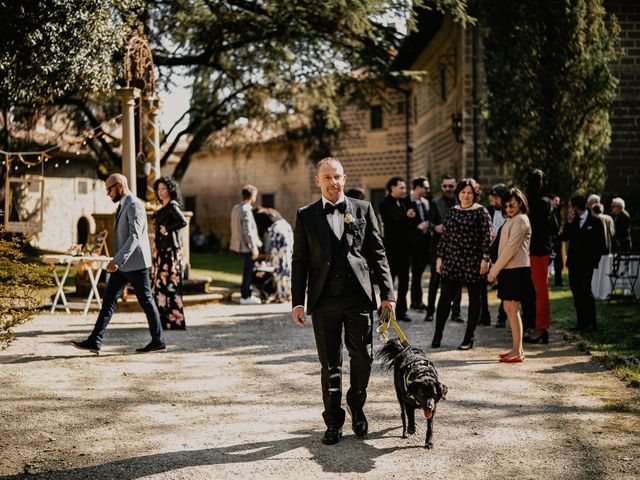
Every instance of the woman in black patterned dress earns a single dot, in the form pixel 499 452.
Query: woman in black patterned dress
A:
pixel 167 271
pixel 463 258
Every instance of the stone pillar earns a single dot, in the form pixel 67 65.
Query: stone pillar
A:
pixel 152 144
pixel 128 102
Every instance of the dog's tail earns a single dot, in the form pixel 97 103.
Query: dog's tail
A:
pixel 389 352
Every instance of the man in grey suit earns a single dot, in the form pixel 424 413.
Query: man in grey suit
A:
pixel 245 240
pixel 131 264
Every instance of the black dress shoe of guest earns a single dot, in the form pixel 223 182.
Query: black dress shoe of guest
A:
pixel 428 317
pixel 466 345
pixel 457 318
pixel 152 347
pixel 359 424
pixel 332 435
pixel 486 322
pixel 86 345
pixel 404 318
pixel 418 306
pixel 542 338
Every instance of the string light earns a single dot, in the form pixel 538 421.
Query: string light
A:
pixel 66 162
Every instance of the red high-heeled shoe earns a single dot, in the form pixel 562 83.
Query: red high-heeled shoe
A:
pixel 516 359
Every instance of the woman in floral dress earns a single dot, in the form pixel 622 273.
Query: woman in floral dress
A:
pixel 463 258
pixel 167 269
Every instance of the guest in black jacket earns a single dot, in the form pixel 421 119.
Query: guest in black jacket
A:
pixel 420 239
pixel 167 268
pixel 397 212
pixel 585 235
pixel 622 222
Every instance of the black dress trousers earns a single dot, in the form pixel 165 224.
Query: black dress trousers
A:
pixel 331 315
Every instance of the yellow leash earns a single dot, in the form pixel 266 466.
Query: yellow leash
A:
pixel 387 317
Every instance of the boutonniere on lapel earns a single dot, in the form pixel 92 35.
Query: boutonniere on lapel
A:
pixel 589 227
pixel 348 219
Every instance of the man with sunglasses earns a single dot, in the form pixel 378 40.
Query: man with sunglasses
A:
pixel 439 208
pixel 130 264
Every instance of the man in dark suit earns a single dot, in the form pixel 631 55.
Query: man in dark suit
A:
pixel 420 238
pixel 396 212
pixel 585 235
pixel 338 254
pixel 130 264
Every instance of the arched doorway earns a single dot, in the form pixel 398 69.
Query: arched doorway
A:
pixel 82 231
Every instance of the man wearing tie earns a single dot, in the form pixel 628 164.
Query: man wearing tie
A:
pixel 130 264
pixel 337 256
pixel 420 239
pixel 396 214
pixel 585 235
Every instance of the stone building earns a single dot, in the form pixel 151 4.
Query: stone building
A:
pixel 431 127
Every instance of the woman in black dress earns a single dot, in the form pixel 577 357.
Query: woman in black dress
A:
pixel 167 269
pixel 463 258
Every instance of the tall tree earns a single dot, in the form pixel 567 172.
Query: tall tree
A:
pixel 550 88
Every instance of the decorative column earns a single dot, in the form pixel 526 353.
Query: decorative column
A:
pixel 152 145
pixel 128 102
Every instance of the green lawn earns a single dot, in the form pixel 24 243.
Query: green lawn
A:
pixel 618 335
pixel 225 269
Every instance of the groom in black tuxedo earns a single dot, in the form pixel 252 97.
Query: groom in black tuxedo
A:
pixel 337 256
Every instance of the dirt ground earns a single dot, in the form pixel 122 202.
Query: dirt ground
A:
pixel 237 395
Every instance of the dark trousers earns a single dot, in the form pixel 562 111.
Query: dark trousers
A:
pixel 247 274
pixel 434 284
pixel 419 259
pixel 580 282
pixel 399 259
pixel 528 314
pixel 139 279
pixel 329 317
pixel 558 264
pixel 449 290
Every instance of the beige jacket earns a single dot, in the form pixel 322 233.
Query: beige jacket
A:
pixel 513 249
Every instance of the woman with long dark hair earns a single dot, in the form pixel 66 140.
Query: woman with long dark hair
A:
pixel 537 314
pixel 167 268
pixel 463 258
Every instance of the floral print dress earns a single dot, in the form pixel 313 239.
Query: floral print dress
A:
pixel 281 250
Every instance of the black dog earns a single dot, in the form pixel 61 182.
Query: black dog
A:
pixel 417 386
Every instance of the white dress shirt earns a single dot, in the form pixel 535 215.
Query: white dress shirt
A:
pixel 336 219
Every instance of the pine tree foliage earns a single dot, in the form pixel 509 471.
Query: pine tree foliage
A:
pixel 20 284
pixel 550 89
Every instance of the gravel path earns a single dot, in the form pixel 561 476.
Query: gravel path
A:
pixel 238 396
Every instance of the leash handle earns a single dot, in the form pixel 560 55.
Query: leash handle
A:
pixel 388 317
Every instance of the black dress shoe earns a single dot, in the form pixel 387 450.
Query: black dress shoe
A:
pixel 359 424
pixel 332 435
pixel 404 318
pixel 86 345
pixel 457 318
pixel 418 306
pixel 485 322
pixel 466 345
pixel 428 317
pixel 152 347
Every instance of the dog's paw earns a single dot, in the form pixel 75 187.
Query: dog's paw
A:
pixel 428 445
pixel 411 430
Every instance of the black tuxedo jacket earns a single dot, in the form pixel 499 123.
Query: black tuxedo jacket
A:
pixel 312 252
pixel 586 244
pixel 397 226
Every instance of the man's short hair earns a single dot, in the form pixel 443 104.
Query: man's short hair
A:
pixel 447 177
pixel 329 161
pixel 593 198
pixel 248 192
pixel 393 181
pixel 420 182
pixel 617 202
pixel 579 201
pixel 498 190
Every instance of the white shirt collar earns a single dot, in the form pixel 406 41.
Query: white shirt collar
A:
pixel 341 198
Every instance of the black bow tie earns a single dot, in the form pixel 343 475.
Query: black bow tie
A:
pixel 329 208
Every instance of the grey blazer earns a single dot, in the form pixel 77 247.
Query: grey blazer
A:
pixel 131 239
pixel 244 232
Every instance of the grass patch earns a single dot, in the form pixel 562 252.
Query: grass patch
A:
pixel 618 339
pixel 224 268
